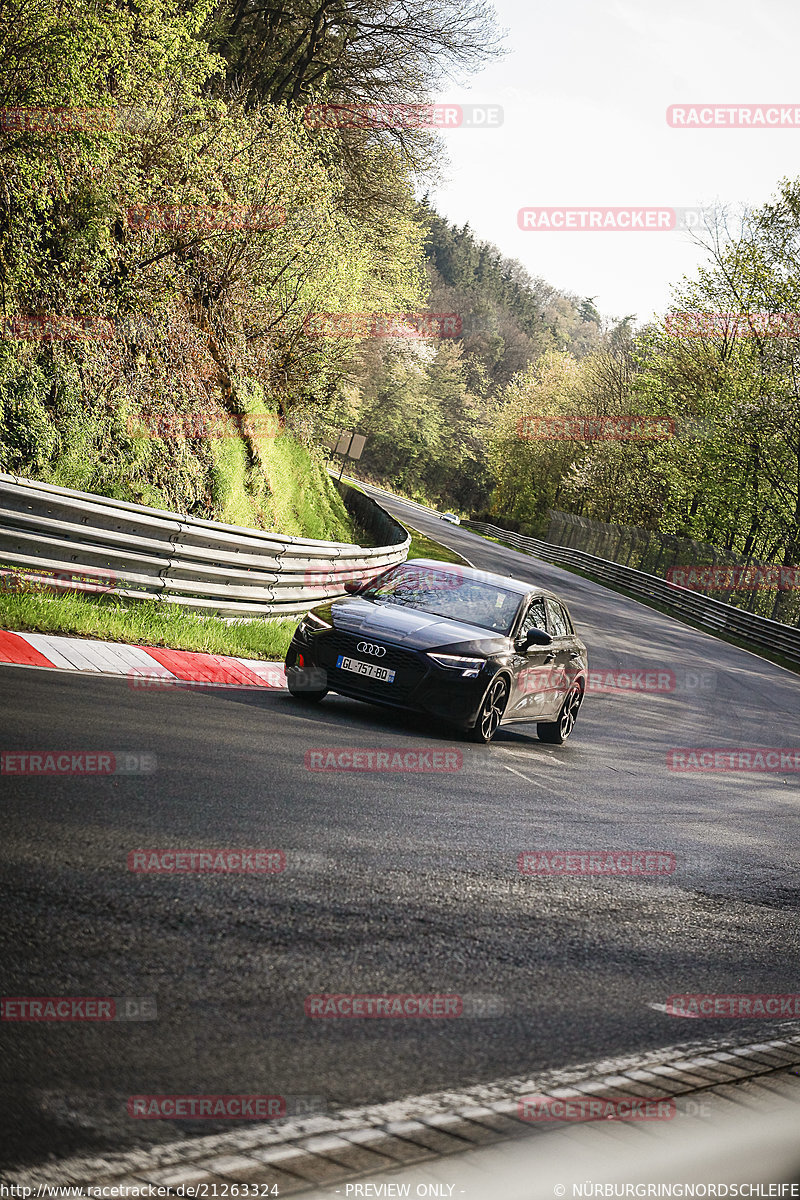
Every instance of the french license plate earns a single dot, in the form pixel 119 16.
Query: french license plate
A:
pixel 364 668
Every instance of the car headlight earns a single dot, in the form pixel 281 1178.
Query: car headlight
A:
pixel 469 667
pixel 311 623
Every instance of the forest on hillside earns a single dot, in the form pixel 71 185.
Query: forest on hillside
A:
pixel 174 228
pixel 688 426
pixel 720 372
pixel 171 220
pixel 425 406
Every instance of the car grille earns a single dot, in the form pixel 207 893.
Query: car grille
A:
pixel 408 667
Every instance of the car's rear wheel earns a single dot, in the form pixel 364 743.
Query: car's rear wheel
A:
pixel 556 732
pixel 491 711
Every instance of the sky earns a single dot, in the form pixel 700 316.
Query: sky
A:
pixel 584 90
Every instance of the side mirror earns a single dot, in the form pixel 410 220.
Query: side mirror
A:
pixel 534 637
pixel 353 586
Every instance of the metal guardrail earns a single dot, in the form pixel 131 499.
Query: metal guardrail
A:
pixel 424 508
pixel 713 614
pixel 658 553
pixel 66 540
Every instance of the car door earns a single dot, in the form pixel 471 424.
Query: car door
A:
pixel 530 689
pixel 562 665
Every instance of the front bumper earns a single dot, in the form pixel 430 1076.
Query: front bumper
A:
pixel 420 685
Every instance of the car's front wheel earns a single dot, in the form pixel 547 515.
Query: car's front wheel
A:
pixel 491 711
pixel 556 732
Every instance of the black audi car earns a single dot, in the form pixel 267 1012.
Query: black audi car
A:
pixel 474 649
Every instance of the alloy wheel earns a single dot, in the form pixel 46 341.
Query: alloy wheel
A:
pixel 492 709
pixel 569 712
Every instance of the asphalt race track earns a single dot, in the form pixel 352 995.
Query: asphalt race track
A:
pixel 395 882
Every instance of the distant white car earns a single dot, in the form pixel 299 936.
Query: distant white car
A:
pixel 452 518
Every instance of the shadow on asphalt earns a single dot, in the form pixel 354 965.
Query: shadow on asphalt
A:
pixel 342 711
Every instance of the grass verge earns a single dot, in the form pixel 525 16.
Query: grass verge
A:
pixel 144 623
pixel 425 547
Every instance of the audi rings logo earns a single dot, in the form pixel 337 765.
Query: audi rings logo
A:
pixel 371 648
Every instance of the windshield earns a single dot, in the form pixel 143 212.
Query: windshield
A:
pixel 445 593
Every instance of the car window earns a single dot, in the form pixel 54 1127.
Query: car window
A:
pixel 557 619
pixel 534 617
pixel 452 594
